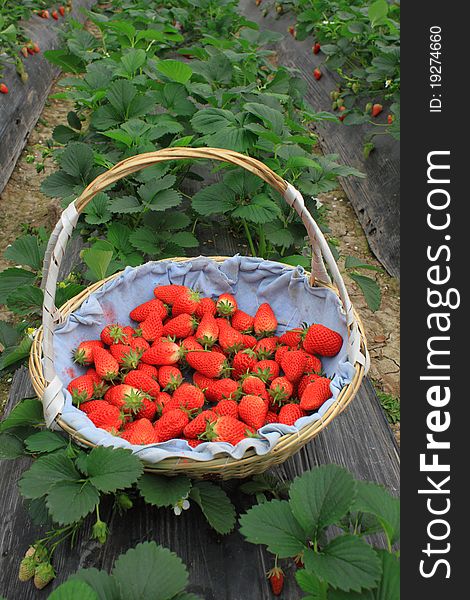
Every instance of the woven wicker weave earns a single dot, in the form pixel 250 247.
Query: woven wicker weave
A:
pixel 49 388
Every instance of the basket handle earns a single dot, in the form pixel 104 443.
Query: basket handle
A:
pixel 53 399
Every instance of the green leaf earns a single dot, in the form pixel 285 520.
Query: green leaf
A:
pixel 376 500
pixel 163 491
pixel 211 120
pixel 97 260
pixel 121 93
pixel 9 335
pixel 74 121
pixel 145 240
pixel 125 205
pixel 101 582
pixel 274 525
pixel 389 586
pixel 310 583
pixel 45 441
pixel 70 501
pixel 164 200
pixel 11 446
pixel 15 354
pixel 26 250
pixel 59 185
pixel 133 60
pixel 150 572
pixel 27 412
pixel 377 12
pixel 370 289
pixel 185 239
pixel 25 300
pixel 266 114
pixel 321 497
pixel 74 590
pixel 45 472
pixel 260 210
pixel 352 262
pixel 13 278
pixel 175 70
pixel 97 211
pixel 65 293
pixel 64 135
pixel 77 160
pixel 69 63
pixel 110 469
pixel 214 199
pixel 216 506
pixel 347 562
pixel 279 235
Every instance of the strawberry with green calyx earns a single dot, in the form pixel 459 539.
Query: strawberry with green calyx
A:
pixel 255 384
pixel 113 334
pixel 198 425
pixel 313 364
pixel 106 366
pixel 230 340
pixel 265 323
pixel 206 306
pixel 305 380
pixel 186 303
pixel 243 362
pixel 315 394
pixel 171 425
pixel 43 574
pixel 162 400
pixel 249 341
pixel 126 357
pixel 293 364
pixel 276 579
pixel 293 337
pixel 81 388
pixel 27 568
pixel 138 343
pixel 219 389
pixel 170 378
pixel 181 326
pixel 208 362
pixel 242 321
pixel 226 429
pixel 341 110
pixel 226 305
pixel 83 353
pixel 390 119
pixel 266 347
pixel 141 312
pixel 289 414
pixel 143 382
pixel 162 353
pixel 280 390
pixel 149 409
pixel 252 410
pixel 140 432
pixel 266 369
pixel 208 331
pixel 190 344
pixel 168 294
pixel 151 328
pixel 226 408
pixel 322 340
pixel 126 397
pixel 202 381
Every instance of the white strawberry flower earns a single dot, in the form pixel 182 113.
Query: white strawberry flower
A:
pixel 182 504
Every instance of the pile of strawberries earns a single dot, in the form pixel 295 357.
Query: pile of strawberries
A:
pixel 200 370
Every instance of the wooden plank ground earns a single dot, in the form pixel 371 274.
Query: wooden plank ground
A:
pixel 221 568
pixel 375 198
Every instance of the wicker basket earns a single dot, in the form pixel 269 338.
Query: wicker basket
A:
pixel 50 388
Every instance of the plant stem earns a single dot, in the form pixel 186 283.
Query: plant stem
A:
pixel 249 238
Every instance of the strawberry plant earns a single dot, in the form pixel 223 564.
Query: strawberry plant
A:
pixel 325 523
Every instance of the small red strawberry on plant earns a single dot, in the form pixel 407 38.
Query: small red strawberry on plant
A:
pixel 390 119
pixel 226 305
pixel 315 394
pixel 317 73
pixel 62 11
pixel 3 89
pixel 265 323
pixel 341 110
pixel 316 48
pixel 252 410
pixel 276 579
pixel 55 15
pixel 376 110
pixel 291 30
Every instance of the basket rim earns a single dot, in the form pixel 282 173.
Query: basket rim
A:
pixel 287 443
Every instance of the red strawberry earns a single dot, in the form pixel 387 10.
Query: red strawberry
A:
pixel 316 48
pixel 81 389
pixel 3 89
pixel 226 429
pixel 186 303
pixel 149 370
pixel 126 397
pixel 152 327
pixel 113 334
pixel 313 364
pixel 162 353
pixel 341 109
pixel 249 341
pixel 187 397
pixel 148 410
pixel 170 378
pixel 289 414
pixel 190 343
pixel 280 390
pixel 209 363
pixel 322 340
pixel 255 386
pixel 202 381
pixel 266 347
pixel 226 408
pixel 44 14
pixel 126 357
pixel 94 375
pixel 280 352
pixel 306 379
pixel 252 410
pixel 390 119
pixel 169 293
pixel 265 323
pixel 36 48
pixel 55 15
pixel 141 312
pixel 106 365
pixel 206 306
pixel 24 51
pixel 162 399
pixel 142 382
pixel 243 362
pixel 106 417
pixel 377 109
pixel 291 30
pixel 138 344
pixel 317 73
pixel 226 305
pixel 141 433
pixel 230 340
pixel 171 425
pixel 267 369
pixel 61 11
pixel 198 425
pixel 293 337
pixel 208 331
pixel 91 405
pixel 220 389
pixel 242 321
pixel 276 580
pixel 293 364
pixel 180 326
pixel 83 353
pixel 315 394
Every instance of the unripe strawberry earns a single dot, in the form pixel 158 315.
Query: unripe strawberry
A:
pixel 27 568
pixel 43 574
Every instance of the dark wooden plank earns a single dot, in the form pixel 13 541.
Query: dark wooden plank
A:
pixel 375 198
pixel 21 108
